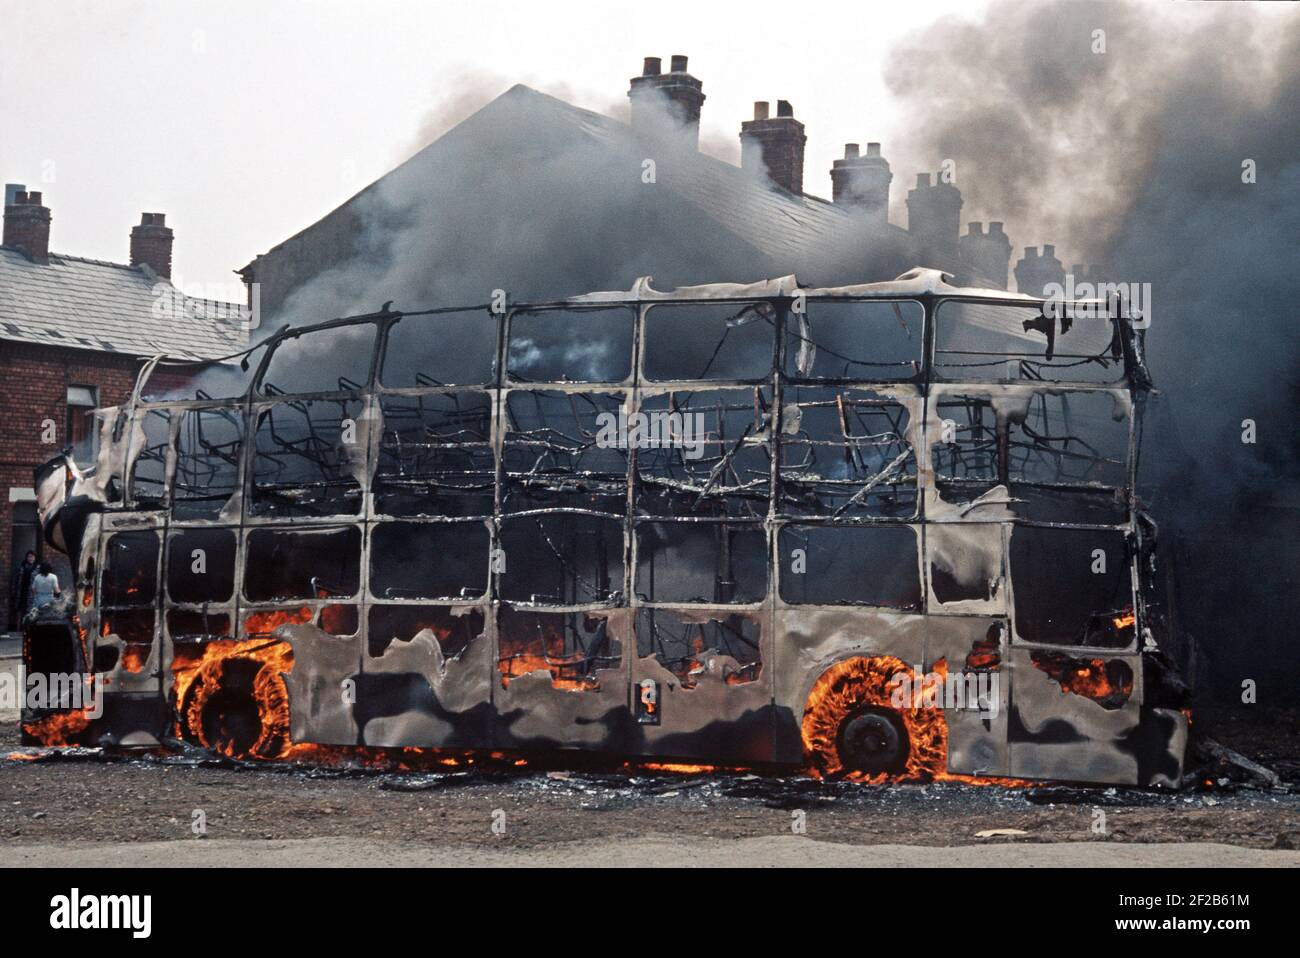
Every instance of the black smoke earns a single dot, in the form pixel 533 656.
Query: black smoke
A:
pixel 1133 158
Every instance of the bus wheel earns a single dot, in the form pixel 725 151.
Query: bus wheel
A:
pixel 849 725
pixel 873 741
pixel 238 707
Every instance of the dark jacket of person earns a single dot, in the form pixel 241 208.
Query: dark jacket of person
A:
pixel 20 588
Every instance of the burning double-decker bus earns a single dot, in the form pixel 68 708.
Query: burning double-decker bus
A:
pixel 885 531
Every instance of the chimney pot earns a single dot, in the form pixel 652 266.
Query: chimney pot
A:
pixel 1036 272
pixel 995 226
pixel 151 244
pixel 985 255
pixel 681 93
pixel 776 145
pixel 862 182
pixel 934 220
pixel 873 149
pixel 27 223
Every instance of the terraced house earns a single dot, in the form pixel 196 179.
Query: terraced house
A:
pixel 74 334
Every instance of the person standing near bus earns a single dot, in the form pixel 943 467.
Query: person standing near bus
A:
pixel 45 587
pixel 20 588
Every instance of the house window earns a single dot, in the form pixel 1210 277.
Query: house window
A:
pixel 81 424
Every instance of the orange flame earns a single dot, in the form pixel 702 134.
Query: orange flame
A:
pixel 849 686
pixel 251 667
pixel 61 728
pixel 134 657
pixel 521 663
pixel 1109 684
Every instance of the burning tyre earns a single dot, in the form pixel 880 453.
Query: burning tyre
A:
pixel 852 730
pixel 235 702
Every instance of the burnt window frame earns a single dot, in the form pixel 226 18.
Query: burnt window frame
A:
pixel 784 483
pixel 644 596
pixel 1127 576
pixel 141 414
pixel 175 531
pixel 793 527
pixel 417 395
pixel 237 410
pixel 919 375
pixel 378 322
pixel 780 303
pixel 1002 449
pixel 936 370
pixel 369 597
pixel 247 603
pixel 379 385
pixel 253 455
pixel 156 601
pixel 505 441
pixel 508 380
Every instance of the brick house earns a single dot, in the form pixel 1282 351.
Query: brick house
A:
pixel 74 334
pixel 544 199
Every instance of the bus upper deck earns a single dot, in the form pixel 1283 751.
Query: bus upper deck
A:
pixel 713 524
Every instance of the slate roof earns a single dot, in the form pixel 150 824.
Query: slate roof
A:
pixel 769 218
pixel 89 304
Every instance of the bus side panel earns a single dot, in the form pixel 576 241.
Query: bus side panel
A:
pixel 973 651
pixel 1070 724
pixel 809 640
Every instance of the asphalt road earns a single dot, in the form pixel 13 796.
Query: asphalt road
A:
pixel 653 850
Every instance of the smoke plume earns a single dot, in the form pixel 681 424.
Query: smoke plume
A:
pixel 1136 158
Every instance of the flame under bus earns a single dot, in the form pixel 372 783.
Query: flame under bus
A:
pixel 405 531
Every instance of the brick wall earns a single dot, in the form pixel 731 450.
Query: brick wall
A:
pixel 34 383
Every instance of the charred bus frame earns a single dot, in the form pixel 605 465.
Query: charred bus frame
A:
pixel 893 476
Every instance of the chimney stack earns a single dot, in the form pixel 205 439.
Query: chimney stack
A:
pixel 667 103
pixel 774 144
pixel 934 219
pixel 151 244
pixel 986 255
pixel 27 222
pixel 1036 271
pixel 862 182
